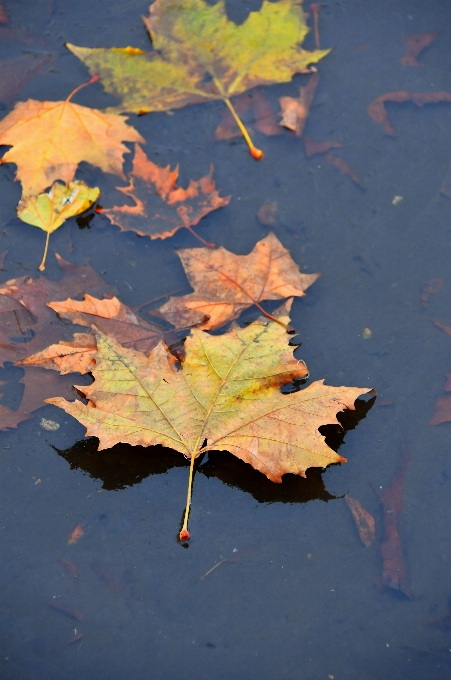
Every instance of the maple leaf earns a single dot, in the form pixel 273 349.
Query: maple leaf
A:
pixel 50 139
pixel 110 316
pixel 226 284
pixel 28 325
pixel 226 397
pixel 200 55
pixel 50 210
pixel 161 207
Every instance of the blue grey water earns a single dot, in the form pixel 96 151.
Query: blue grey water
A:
pixel 302 601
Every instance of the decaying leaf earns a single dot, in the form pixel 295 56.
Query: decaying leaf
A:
pixel 161 207
pixel 17 72
pixel 363 521
pixel 28 325
pixel 343 167
pixel 225 397
pixel 442 412
pixel 416 44
pixel 61 135
pixel 264 119
pixel 200 55
pixel 111 317
pixel 295 111
pixel 312 148
pixel 50 210
pixel 394 574
pixel 267 213
pixel 376 109
pixel 67 356
pixel 75 534
pixel 4 18
pixel 226 284
pixel 432 287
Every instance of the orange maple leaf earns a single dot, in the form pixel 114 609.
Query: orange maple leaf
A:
pixel 226 284
pixel 50 139
pixel 161 207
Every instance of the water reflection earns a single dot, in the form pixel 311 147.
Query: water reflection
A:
pixel 125 465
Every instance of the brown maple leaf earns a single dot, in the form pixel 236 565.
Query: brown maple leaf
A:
pixel 27 325
pixel 226 396
pixel 161 207
pixel 110 316
pixel 226 284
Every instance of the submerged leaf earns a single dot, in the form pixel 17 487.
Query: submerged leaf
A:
pixel 226 284
pixel 295 111
pixel 376 109
pixel 227 394
pixel 416 44
pixel 161 207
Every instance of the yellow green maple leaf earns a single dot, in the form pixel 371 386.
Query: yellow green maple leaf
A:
pixel 49 210
pixel 200 55
pixel 226 397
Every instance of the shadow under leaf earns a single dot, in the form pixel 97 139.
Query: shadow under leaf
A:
pixel 125 465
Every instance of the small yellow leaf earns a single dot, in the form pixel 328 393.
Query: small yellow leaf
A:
pixel 49 210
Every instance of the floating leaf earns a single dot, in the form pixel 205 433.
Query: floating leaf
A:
pixel 226 284
pixel 50 210
pixel 50 139
pixel 200 55
pixel 111 317
pixel 161 207
pixel 226 397
pixel 76 356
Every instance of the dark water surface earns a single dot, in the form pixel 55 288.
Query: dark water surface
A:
pixel 299 597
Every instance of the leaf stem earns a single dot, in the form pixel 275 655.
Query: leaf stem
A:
pixel 255 153
pixel 184 534
pixel 44 257
pixel 94 79
pixel 206 243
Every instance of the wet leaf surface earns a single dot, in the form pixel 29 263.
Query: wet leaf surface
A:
pixel 160 206
pixel 62 135
pixel 227 395
pixel 225 284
